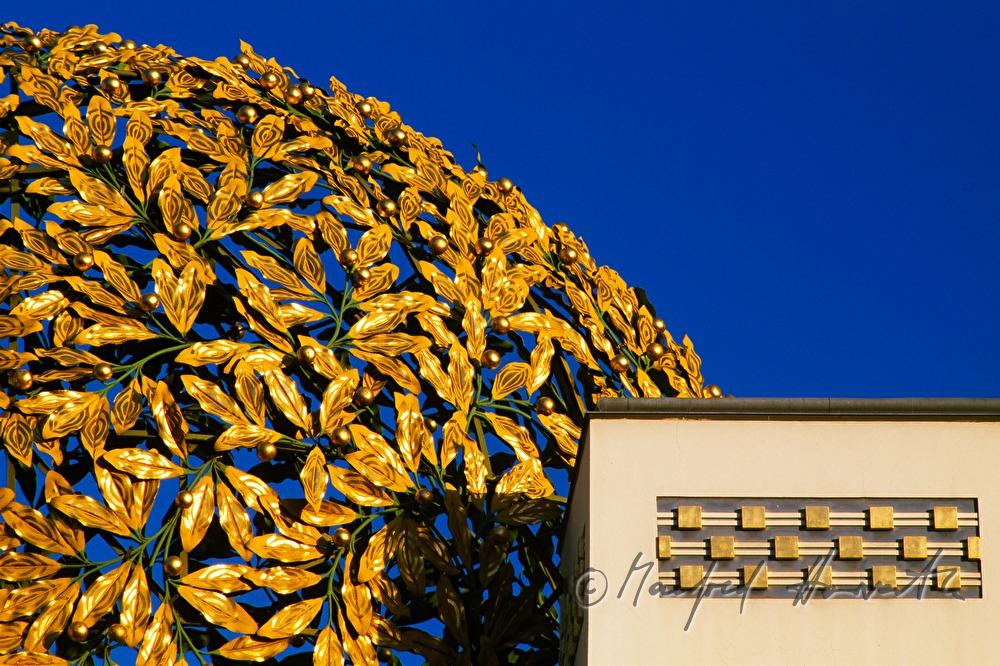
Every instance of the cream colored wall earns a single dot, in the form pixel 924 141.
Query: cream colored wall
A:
pixel 631 462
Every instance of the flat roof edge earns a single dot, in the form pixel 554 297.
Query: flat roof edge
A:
pixel 865 409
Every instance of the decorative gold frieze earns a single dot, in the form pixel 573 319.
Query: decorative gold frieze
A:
pixel 786 547
pixel 946 517
pixel 722 548
pixel 850 547
pixel 914 548
pixel 689 517
pixel 817 517
pixel 881 518
pixel 835 544
pixel 753 518
pixel 663 547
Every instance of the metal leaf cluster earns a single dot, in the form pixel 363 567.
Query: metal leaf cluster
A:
pixel 285 381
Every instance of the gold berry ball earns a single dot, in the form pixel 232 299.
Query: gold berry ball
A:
pixel 348 257
pixel 307 90
pixel 111 85
pixel 500 535
pixel 103 371
pixel 267 451
pixel 103 154
pixel 237 332
pixel 386 207
pixel 545 405
pixel 83 261
pixel 242 60
pixel 184 499
pixel 484 246
pixel 384 654
pixel 342 537
pixel 78 632
pixel 341 437
pixel 438 244
pixel 149 302
pixel 659 325
pixel 361 276
pixel 152 77
pixel 364 109
pixel 500 325
pixel 173 565
pixel 505 186
pixel 655 351
pixel 298 641
pixel 128 44
pixel 118 633
pixel 246 114
pixel 293 95
pixel 491 359
pixel 98 48
pixel 182 231
pixel 619 363
pixel 712 391
pixel 22 379
pixel 255 200
pixel 431 424
pixel 364 397
pixel 424 496
pixel 32 44
pixel 269 80
pixel 567 255
pixel 362 165
pixel 395 137
pixel 306 355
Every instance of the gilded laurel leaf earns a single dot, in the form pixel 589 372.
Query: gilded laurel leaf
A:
pixel 26 566
pixel 357 488
pixel 287 397
pixel 90 513
pixel 338 395
pixel 451 610
pixel 358 603
pixel 219 609
pixel 37 529
pixel 213 399
pixel 289 188
pixel 51 621
pixel 309 265
pixel 223 578
pixel 511 377
pixel 250 648
pixel 283 549
pixel 360 650
pixel 196 519
pixel 214 352
pixel 101 120
pixel 328 651
pixel 245 435
pixel 234 520
pixel 136 606
pixel 142 463
pixel 291 620
pixel 101 595
pixel 314 478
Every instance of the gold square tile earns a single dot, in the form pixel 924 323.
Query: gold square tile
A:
pixel 881 518
pixel 821 575
pixel 817 517
pixel 949 578
pixel 691 576
pixel 850 547
pixel 752 518
pixel 883 576
pixel 786 547
pixel 756 579
pixel 972 548
pixel 946 517
pixel 914 548
pixel 722 548
pixel 663 547
pixel 689 517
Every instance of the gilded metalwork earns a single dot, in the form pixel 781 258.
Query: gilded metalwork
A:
pixel 229 286
pixel 782 547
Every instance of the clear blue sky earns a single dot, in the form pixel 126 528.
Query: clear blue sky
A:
pixel 810 190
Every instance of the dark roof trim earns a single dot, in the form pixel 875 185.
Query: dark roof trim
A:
pixel 812 409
